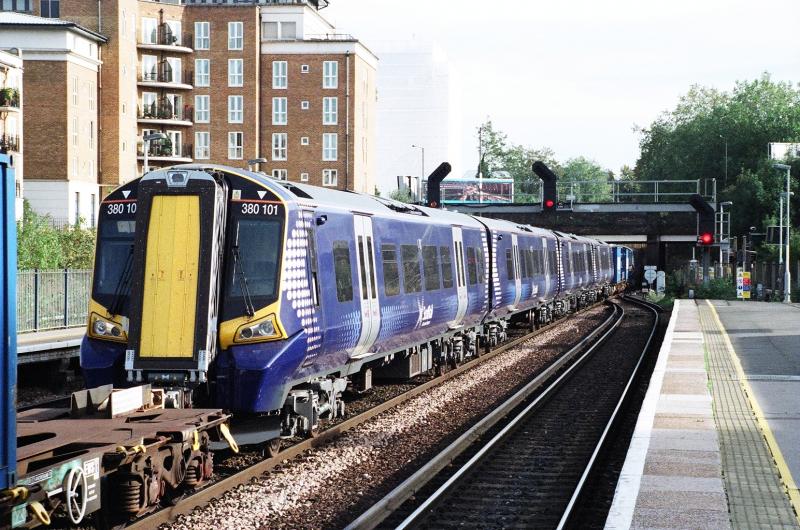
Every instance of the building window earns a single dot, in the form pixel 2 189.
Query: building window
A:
pixel 75 90
pixel 75 131
pixel 280 174
pixel 279 151
pixel 149 30
pixel 91 135
pixel 175 73
pixel 304 140
pixel 279 74
pixel 92 213
pixel 91 96
pixel 202 36
pixel 278 30
pixel 202 109
pixel 235 109
pixel 77 208
pixel 235 72
pixel 329 177
pixel 304 105
pixel 279 116
pixel 235 145
pixel 304 69
pixel 235 35
pixel 303 177
pixel 202 69
pixel 50 9
pixel 202 145
pixel 330 74
pixel 149 68
pixel 174 33
pixel 330 147
pixel 330 111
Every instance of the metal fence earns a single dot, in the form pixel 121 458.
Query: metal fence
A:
pixel 52 299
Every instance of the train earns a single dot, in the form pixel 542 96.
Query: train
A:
pixel 224 297
pixel 268 298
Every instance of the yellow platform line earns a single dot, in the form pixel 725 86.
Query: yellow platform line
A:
pixel 772 443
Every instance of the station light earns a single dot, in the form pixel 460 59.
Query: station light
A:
pixel 706 238
pixel 549 203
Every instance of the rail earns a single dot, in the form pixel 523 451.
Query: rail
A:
pixel 52 299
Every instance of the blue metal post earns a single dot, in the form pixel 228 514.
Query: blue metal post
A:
pixel 8 325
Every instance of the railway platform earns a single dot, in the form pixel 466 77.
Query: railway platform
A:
pixel 717 442
pixel 49 345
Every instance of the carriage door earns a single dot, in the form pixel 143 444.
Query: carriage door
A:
pixel 547 269
pixel 461 277
pixel 370 309
pixel 517 279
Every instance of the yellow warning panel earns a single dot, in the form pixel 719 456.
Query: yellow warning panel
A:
pixel 170 277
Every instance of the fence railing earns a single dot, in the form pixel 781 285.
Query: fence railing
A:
pixel 632 191
pixel 52 299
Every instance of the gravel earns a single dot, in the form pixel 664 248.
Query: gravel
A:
pixel 329 486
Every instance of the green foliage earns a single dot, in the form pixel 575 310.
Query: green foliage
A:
pixel 717 289
pixel 42 246
pixel 584 170
pixel 401 195
pixel 690 142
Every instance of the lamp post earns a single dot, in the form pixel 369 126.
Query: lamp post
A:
pixel 254 161
pixel 787 272
pixel 422 174
pixel 722 231
pixel 147 139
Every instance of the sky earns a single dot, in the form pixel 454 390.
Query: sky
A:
pixel 578 75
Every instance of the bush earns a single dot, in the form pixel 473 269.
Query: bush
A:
pixel 40 245
pixel 717 289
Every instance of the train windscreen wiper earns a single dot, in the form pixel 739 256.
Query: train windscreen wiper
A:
pixel 123 284
pixel 238 263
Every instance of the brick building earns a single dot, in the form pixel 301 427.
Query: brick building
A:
pixel 227 82
pixel 61 60
pixel 11 117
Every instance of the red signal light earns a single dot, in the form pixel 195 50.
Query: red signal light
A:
pixel 705 238
pixel 549 203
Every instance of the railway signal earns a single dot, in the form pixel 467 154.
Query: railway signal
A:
pixel 549 179
pixel 706 238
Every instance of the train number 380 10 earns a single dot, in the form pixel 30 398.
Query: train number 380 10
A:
pixel 252 208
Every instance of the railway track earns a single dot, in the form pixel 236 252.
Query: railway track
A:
pixel 529 468
pixel 216 489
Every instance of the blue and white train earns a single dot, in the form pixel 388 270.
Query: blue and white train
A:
pixel 228 288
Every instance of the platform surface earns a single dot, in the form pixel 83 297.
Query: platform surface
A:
pixel 54 339
pixel 701 453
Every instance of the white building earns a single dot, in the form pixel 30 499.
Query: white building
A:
pixel 11 117
pixel 419 103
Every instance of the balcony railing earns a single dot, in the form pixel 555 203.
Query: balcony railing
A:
pixel 165 111
pixel 9 97
pixel 166 150
pixel 318 4
pixel 164 36
pixel 8 143
pixel 329 36
pixel 167 77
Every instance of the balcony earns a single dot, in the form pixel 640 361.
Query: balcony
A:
pixel 316 4
pixel 166 152
pixel 167 79
pixel 167 114
pixel 165 40
pixel 345 37
pixel 9 143
pixel 9 100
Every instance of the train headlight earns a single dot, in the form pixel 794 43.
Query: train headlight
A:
pixel 105 329
pixel 260 330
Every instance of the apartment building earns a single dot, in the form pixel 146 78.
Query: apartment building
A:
pixel 11 117
pixel 230 82
pixel 61 60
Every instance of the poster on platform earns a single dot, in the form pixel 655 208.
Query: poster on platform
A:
pixel 746 285
pixel 739 283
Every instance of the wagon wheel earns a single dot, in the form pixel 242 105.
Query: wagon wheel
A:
pixel 75 493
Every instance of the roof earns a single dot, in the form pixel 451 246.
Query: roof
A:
pixel 11 18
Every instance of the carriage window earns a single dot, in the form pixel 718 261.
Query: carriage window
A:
pixel 447 268
pixel 312 260
pixel 344 274
pixel 509 264
pixel 113 264
pixel 362 268
pixel 523 265
pixel 472 265
pixel 411 277
pixel 372 273
pixel 391 273
pixel 480 265
pixel 430 262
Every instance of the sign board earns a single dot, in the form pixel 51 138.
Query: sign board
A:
pixel 661 282
pixel 650 275
pixel 739 283
pixel 746 285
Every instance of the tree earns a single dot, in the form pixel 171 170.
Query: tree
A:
pixel 594 180
pixel 401 195
pixel 42 246
pixel 690 143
